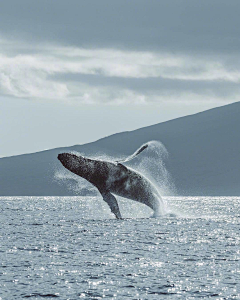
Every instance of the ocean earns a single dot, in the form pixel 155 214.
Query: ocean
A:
pixel 74 248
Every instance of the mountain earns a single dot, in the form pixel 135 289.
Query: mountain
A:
pixel 204 156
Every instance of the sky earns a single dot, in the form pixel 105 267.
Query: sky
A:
pixel 74 71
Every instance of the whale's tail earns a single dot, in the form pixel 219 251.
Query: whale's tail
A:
pixel 137 152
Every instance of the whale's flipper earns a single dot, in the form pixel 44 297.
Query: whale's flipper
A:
pixel 140 150
pixel 134 154
pixel 112 202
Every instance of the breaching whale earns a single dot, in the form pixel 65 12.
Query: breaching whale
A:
pixel 114 178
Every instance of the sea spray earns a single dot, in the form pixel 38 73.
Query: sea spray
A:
pixel 151 163
pixel 74 183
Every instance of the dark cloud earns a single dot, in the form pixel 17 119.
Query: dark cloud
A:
pixel 171 25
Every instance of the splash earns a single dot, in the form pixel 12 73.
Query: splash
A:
pixel 152 164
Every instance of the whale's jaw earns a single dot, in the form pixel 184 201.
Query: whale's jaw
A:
pixel 71 162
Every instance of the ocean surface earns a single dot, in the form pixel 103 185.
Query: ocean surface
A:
pixel 74 248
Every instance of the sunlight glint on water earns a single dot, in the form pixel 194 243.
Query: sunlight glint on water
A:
pixel 72 247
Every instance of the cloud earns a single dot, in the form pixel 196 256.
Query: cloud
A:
pixel 54 72
pixel 173 25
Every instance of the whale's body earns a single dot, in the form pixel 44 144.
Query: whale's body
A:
pixel 111 178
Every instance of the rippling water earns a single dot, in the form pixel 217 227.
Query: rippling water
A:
pixel 73 248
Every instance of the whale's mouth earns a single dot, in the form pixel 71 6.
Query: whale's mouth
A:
pixel 60 156
pixel 69 160
pixel 63 157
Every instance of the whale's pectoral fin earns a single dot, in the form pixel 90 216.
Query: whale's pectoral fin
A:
pixel 112 202
pixel 143 147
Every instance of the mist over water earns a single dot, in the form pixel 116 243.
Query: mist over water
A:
pixel 74 183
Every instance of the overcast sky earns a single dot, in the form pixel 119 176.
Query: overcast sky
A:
pixel 75 71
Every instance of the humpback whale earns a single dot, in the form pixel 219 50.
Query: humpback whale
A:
pixel 114 179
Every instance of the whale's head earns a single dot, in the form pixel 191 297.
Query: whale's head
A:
pixel 72 162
